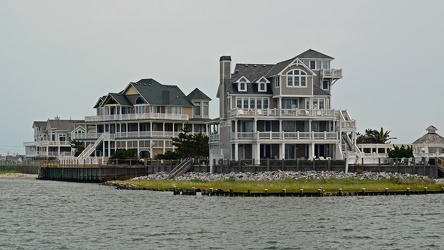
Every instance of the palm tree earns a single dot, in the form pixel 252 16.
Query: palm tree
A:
pixel 375 136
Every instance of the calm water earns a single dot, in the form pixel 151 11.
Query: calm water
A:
pixel 38 214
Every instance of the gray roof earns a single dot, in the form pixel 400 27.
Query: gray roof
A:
pixel 100 101
pixel 196 94
pixel 319 91
pixel 309 54
pixel 40 124
pixel 313 54
pixel 253 72
pixel 430 138
pixel 159 94
pixel 120 99
pixel 64 125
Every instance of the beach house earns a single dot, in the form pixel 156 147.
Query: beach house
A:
pixel 281 111
pixel 144 116
pixel 51 139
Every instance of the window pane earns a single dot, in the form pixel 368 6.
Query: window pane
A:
pixel 205 110
pixel 321 103
pixel 312 64
pixel 290 73
pixel 239 102
pixel 266 103
pixel 245 103
pixel 290 81
pixel 318 64
pixel 296 81
pixel 259 103
pixel 303 81
pixel 252 101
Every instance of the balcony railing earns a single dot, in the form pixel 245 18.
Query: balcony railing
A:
pixel 145 116
pixel 46 143
pixel 348 124
pixel 286 135
pixel 238 112
pixel 131 134
pixel 331 73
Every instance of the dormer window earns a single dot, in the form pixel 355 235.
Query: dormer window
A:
pixel 262 86
pixel 242 85
pixel 317 64
pixel 296 78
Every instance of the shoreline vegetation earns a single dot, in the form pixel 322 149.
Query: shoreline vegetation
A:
pixel 291 182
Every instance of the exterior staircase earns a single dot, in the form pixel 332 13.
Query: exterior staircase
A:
pixel 91 147
pixel 181 169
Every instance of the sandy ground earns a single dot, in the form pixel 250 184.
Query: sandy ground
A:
pixel 18 176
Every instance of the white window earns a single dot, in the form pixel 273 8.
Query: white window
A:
pixel 262 86
pixel 157 109
pixel 140 109
pixel 252 102
pixel 288 103
pixel 197 108
pixel 296 78
pixel 318 103
pixel 277 83
pixel 325 85
pixel 242 86
pixel 173 110
pixel 206 109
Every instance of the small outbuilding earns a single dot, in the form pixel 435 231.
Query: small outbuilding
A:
pixel 430 144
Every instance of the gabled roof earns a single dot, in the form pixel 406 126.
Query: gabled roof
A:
pixel 431 137
pixel 196 94
pixel 39 124
pixel 99 101
pixel 119 98
pixel 62 125
pixel 309 54
pixel 313 54
pixel 158 94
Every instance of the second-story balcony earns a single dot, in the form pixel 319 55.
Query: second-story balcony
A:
pixel 144 116
pixel 331 73
pixel 131 134
pixel 305 113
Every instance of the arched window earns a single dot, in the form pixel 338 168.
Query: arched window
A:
pixel 140 100
pixel 296 78
pixel 262 86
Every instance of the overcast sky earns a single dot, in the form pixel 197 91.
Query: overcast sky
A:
pixel 58 57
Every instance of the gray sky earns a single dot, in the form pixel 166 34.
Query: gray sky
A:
pixel 58 57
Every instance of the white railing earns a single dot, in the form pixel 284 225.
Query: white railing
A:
pixel 47 143
pixel 286 135
pixel 285 112
pixel 91 136
pixel 122 117
pixel 331 73
pixel 214 137
pixel 348 124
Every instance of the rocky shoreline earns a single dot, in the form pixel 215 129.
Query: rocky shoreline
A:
pixel 279 175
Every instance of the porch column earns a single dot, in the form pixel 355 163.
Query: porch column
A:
pixel 236 151
pixel 282 150
pixel 151 129
pixel 311 151
pixel 235 130
pixel 257 156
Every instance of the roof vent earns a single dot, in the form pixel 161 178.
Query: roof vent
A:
pixel 264 65
pixel 246 65
pixel 144 84
pixel 254 65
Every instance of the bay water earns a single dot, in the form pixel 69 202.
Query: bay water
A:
pixel 36 214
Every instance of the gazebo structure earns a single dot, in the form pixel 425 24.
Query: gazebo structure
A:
pixel 430 144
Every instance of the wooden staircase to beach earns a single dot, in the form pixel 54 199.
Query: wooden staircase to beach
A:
pixel 181 169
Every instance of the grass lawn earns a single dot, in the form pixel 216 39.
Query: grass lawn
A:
pixel 291 185
pixel 10 171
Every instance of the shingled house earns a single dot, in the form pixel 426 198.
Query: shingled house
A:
pixel 281 111
pixel 143 116
pixel 51 139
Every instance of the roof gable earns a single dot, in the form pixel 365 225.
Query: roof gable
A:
pixel 196 94
pixel 158 94
pixel 313 54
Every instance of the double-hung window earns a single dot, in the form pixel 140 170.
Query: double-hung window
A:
pixel 242 85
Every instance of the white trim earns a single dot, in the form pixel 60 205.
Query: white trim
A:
pixel 297 62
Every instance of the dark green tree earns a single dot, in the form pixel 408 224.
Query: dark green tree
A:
pixel 191 146
pixel 400 152
pixel 78 146
pixel 184 143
